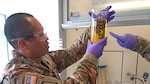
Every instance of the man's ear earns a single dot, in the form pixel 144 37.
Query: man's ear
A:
pixel 22 44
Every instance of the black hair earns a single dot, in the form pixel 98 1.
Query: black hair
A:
pixel 17 25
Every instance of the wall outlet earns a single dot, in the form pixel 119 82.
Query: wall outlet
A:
pixel 145 76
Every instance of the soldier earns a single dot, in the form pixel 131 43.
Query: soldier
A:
pixel 134 43
pixel 32 63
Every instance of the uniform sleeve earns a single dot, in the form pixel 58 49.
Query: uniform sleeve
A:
pixel 143 48
pixel 68 56
pixel 86 72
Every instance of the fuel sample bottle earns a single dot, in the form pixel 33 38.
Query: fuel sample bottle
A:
pixel 98 26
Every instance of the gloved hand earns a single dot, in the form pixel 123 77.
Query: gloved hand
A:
pixel 97 48
pixel 109 15
pixel 128 40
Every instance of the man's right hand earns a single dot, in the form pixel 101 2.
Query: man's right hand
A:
pixel 97 48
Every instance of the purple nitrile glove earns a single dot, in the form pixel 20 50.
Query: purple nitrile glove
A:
pixel 109 15
pixel 97 48
pixel 128 40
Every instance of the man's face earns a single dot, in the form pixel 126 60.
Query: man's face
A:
pixel 38 46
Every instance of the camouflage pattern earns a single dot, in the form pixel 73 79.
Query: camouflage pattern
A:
pixel 21 70
pixel 143 48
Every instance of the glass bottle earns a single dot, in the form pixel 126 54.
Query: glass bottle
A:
pixel 98 26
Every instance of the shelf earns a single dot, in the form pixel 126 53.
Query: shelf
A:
pixel 122 18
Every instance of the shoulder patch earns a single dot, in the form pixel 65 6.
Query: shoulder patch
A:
pixel 30 80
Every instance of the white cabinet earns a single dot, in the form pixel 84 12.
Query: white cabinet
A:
pixel 119 63
pixel 113 60
pixel 143 67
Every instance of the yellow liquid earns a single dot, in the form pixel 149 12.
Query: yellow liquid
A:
pixel 98 31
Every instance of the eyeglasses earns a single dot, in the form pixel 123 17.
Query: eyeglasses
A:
pixel 41 36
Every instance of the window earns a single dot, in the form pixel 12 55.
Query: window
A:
pixel 3 44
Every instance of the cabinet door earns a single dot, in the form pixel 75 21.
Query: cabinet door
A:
pixel 143 67
pixel 113 60
pixel 143 64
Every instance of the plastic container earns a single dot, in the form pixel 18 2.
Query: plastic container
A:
pixel 102 79
pixel 98 27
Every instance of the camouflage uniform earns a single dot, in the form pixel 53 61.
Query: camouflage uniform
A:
pixel 22 70
pixel 143 48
